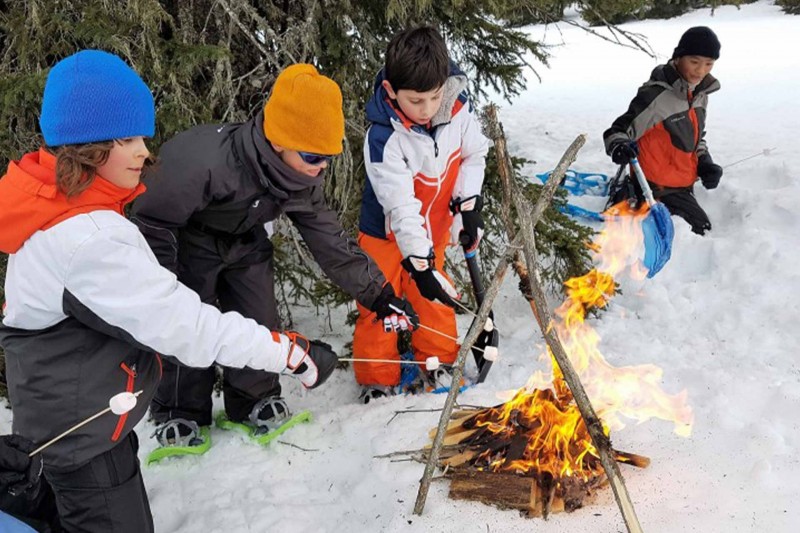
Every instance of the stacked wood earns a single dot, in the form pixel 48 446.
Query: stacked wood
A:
pixel 535 494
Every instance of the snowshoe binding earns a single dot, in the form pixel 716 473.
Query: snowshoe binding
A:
pixel 269 419
pixel 178 437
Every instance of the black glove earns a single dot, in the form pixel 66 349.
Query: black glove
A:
pixel 19 473
pixel 709 172
pixel 470 209
pixel 431 284
pixel 396 313
pixel 312 362
pixel 624 151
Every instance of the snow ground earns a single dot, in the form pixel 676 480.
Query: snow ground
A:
pixel 720 320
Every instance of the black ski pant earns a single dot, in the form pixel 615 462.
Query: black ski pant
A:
pixel 236 275
pixel 106 495
pixel 679 201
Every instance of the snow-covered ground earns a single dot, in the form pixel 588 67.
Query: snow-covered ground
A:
pixel 720 320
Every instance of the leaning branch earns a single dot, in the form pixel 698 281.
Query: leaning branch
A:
pixel 458 372
pixel 532 289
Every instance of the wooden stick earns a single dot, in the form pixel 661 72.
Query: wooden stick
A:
pixel 446 336
pixel 73 428
pixel 465 308
pixel 394 361
pixel 458 371
pixel 639 461
pixel 541 310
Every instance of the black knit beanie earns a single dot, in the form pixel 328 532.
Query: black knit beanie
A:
pixel 698 41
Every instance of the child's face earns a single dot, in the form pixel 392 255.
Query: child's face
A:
pixel 125 162
pixel 694 68
pixel 295 162
pixel 418 107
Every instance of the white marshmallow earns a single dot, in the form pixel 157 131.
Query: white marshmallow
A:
pixel 122 403
pixel 490 353
pixel 489 326
pixel 432 363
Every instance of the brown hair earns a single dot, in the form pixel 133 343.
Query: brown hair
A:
pixel 77 164
pixel 417 59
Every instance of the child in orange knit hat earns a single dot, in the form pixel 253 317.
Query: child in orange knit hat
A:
pixel 205 215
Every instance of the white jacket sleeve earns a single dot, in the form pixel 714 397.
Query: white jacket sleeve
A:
pixel 116 277
pixel 393 183
pixel 474 147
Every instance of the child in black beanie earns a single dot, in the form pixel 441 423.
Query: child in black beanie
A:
pixel 665 127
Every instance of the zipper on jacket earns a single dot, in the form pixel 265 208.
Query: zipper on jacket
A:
pixel 435 148
pixel 131 371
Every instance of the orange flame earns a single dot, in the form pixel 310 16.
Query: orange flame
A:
pixel 558 442
pixel 548 433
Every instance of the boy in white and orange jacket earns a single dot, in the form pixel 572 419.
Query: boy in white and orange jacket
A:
pixel 424 155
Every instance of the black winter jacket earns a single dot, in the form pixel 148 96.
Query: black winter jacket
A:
pixel 226 180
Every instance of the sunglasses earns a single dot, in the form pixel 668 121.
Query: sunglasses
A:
pixel 314 159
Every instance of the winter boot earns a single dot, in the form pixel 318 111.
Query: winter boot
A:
pixel 373 392
pixel 179 437
pixel 269 414
pixel 441 378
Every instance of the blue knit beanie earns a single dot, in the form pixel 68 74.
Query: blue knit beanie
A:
pixel 95 96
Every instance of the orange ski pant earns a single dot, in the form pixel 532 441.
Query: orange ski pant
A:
pixel 372 342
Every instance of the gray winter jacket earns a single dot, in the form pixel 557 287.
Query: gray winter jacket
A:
pixel 227 181
pixel 667 119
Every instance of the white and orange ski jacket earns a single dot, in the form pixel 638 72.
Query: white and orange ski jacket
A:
pixel 413 172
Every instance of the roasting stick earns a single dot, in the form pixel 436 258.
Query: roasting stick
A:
pixel 445 335
pixel 490 353
pixel 489 322
pixel 431 363
pixel 119 403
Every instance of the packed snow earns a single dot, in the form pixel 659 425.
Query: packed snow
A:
pixel 720 320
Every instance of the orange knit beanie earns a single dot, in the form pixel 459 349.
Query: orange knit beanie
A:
pixel 304 112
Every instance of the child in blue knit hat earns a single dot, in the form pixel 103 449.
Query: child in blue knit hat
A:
pixel 89 308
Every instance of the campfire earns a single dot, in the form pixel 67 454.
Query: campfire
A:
pixel 547 447
pixel 534 452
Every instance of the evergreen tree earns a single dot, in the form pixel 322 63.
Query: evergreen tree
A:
pixel 215 60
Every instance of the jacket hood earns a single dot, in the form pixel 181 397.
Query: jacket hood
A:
pixel 668 77
pixel 382 110
pixel 265 164
pixel 30 200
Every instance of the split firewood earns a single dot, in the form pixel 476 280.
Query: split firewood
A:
pixel 454 438
pixel 460 458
